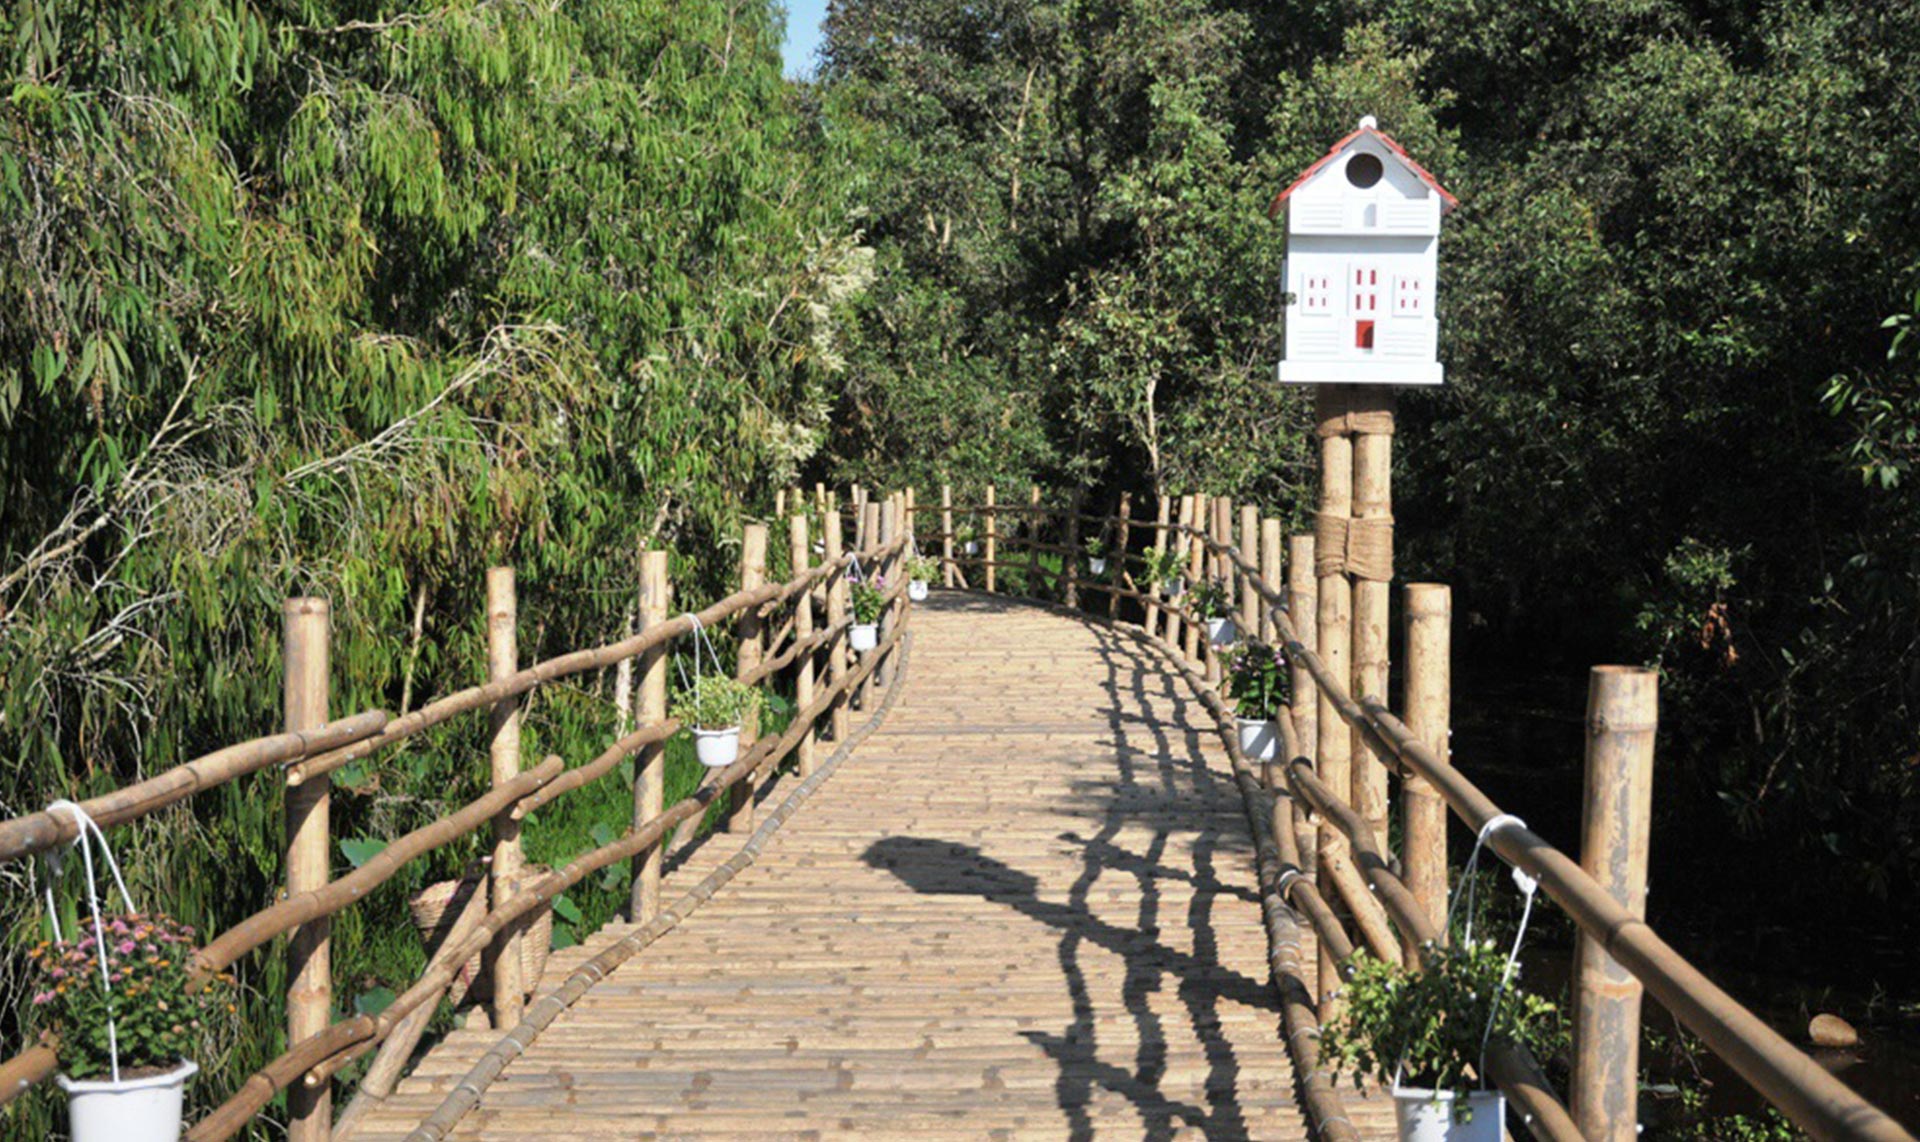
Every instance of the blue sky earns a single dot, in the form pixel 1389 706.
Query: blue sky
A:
pixel 803 35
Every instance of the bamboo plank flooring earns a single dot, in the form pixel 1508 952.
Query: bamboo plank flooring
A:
pixel 1023 909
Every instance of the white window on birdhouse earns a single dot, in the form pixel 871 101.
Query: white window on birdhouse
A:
pixel 1410 296
pixel 1363 292
pixel 1316 294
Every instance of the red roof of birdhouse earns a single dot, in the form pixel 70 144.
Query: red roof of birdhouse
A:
pixel 1333 152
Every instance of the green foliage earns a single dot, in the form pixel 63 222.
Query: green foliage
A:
pixel 1258 680
pixel 1425 1026
pixel 1212 599
pixel 1163 568
pixel 924 568
pixel 868 598
pixel 718 702
pixel 148 1003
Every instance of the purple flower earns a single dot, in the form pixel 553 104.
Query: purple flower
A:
pixel 124 947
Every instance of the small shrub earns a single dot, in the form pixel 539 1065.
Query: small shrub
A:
pixel 923 568
pixel 160 1014
pixel 1258 680
pixel 1163 567
pixel 869 599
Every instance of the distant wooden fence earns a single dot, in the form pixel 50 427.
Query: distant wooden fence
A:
pixel 810 645
pixel 1398 908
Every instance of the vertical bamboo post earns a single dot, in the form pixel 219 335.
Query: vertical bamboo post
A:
pixel 836 619
pixel 1162 513
pixel 1074 554
pixel 1250 551
pixel 990 543
pixel 870 568
pixel 1372 597
pixel 802 559
pixel 1334 759
pixel 1117 554
pixel 888 529
pixel 1273 557
pixel 753 573
pixel 650 767
pixel 857 501
pixel 1622 714
pixel 946 535
pixel 819 498
pixel 1303 606
pixel 1429 704
pixel 1034 574
pixel 1196 574
pixel 1180 544
pixel 308 668
pixel 779 502
pixel 503 751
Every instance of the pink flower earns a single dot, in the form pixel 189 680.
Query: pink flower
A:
pixel 125 947
pixel 43 998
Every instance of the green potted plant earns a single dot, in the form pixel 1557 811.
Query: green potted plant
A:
pixel 1261 688
pixel 1423 1032
pixel 715 708
pixel 1213 602
pixel 1166 570
pixel 129 1016
pixel 1097 555
pixel 869 599
pixel 920 572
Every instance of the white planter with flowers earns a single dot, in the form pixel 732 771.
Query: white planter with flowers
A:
pixel 869 601
pixel 716 709
pixel 1444 1116
pixel 145 1109
pixel 1259 683
pixel 1097 564
pixel 1222 632
pixel 863 637
pixel 1259 738
pixel 920 572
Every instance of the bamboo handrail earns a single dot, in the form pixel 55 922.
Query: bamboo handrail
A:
pixel 352 1035
pixel 42 831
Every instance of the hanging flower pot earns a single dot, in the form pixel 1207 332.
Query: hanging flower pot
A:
pixel 1097 564
pixel 1443 1116
pixel 716 708
pixel 1176 587
pixel 863 637
pixel 869 601
pixel 920 571
pixel 1222 632
pixel 1259 739
pixel 917 590
pixel 144 1109
pixel 970 547
pixel 717 749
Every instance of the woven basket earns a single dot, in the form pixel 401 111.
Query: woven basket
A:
pixel 435 907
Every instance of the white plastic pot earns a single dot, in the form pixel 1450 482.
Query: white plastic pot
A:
pixel 717 749
pixel 1176 587
pixel 1258 740
pixel 1097 565
pixel 917 590
pixel 863 637
pixel 970 547
pixel 1222 632
pixel 1428 1116
pixel 131 1110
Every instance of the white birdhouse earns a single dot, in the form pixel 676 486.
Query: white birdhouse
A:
pixel 1363 237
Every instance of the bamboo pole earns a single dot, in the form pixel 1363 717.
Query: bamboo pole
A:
pixel 309 843
pixel 1074 554
pixel 1250 538
pixel 889 527
pixel 1428 702
pixel 857 503
pixel 837 620
pixel 650 768
pixel 1372 598
pixel 1334 757
pixel 1615 815
pixel 1196 632
pixel 869 527
pixel 753 573
pixel 1162 515
pixel 946 535
pixel 989 544
pixel 1303 602
pixel 801 552
pixel 503 751
pixel 1117 555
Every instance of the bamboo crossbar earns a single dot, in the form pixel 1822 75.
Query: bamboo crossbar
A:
pixel 290 913
pixel 573 662
pixel 29 1068
pixel 43 831
pixel 316 1053
pixel 600 766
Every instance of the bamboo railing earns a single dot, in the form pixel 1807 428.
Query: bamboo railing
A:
pixel 809 647
pixel 1396 914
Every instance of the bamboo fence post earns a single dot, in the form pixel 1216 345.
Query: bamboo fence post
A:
pixel 305 623
pixel 990 543
pixel 503 752
pixel 802 561
pixel 1117 552
pixel 753 573
pixel 946 535
pixel 1223 568
pixel 1429 704
pixel 1196 575
pixel 1162 513
pixel 1372 596
pixel 819 498
pixel 869 527
pixel 1333 761
pixel 888 528
pixel 1179 544
pixel 1273 555
pixel 1303 603
pixel 650 767
pixel 1622 714
pixel 779 502
pixel 1250 550
pixel 857 501
pixel 1073 555
pixel 836 620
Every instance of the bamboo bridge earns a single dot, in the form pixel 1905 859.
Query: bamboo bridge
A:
pixel 1006 875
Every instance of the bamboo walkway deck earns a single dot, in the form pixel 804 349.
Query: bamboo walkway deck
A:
pixel 1023 909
